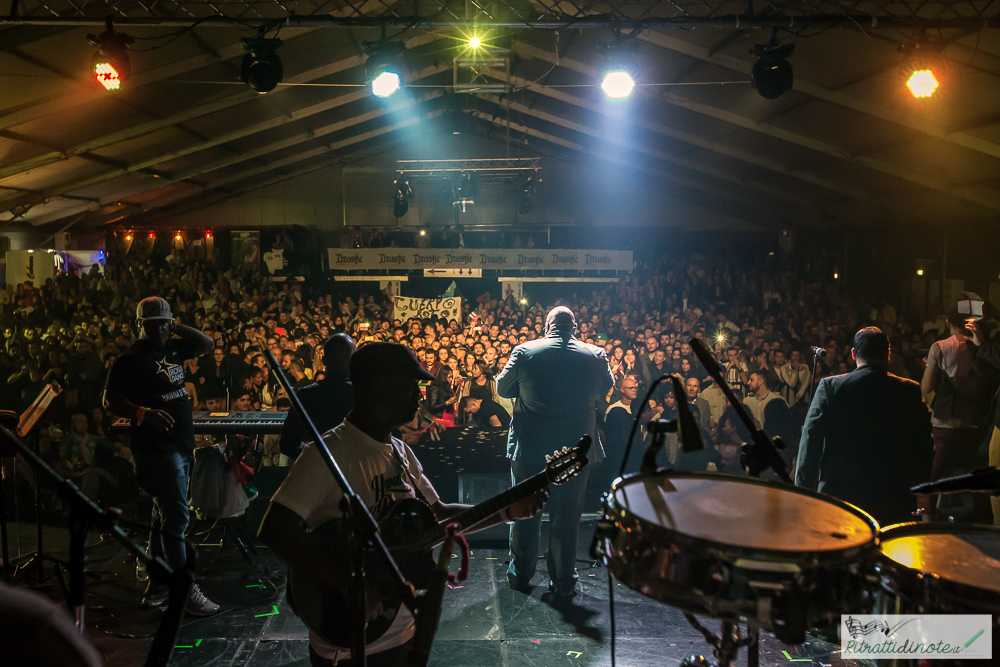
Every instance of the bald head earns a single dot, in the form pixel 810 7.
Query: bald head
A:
pixel 560 320
pixel 337 353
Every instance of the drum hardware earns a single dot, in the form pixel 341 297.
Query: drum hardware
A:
pixel 740 550
pixel 984 480
pixel 725 645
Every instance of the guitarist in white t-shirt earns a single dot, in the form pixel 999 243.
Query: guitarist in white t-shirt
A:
pixel 382 470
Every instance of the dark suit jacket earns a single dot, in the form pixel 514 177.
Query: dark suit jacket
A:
pixel 327 402
pixel 866 440
pixel 556 383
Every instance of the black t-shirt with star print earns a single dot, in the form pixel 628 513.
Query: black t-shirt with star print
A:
pixel 153 377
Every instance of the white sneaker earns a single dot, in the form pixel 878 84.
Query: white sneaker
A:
pixel 198 604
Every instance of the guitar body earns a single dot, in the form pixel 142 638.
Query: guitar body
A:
pixel 410 531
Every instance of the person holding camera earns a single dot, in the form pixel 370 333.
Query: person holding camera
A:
pixel 146 385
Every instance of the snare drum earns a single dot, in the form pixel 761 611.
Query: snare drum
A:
pixel 939 569
pixel 739 549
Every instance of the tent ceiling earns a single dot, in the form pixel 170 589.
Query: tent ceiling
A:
pixel 847 145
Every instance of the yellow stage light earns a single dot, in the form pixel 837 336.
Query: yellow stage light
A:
pixel 922 83
pixel 920 272
pixel 475 43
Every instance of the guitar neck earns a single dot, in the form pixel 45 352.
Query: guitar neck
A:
pixel 474 515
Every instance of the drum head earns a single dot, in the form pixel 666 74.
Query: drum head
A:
pixel 966 555
pixel 745 512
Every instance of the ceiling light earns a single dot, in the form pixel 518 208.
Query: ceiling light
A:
pixel 618 68
pixel 922 83
pixel 384 68
pixel 771 75
pixel 261 69
pixel 110 65
pixel 617 85
pixel 385 84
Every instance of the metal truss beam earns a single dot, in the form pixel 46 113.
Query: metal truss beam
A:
pixel 559 22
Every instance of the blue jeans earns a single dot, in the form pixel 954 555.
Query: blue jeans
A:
pixel 164 476
pixel 565 505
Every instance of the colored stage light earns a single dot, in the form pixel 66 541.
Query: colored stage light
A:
pixel 475 43
pixel 922 83
pixel 384 67
pixel 110 64
pixel 385 84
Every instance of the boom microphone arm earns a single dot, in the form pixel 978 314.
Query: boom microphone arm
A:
pixel 763 453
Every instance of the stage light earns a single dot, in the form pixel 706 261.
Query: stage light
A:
pixel 475 43
pixel 423 232
pixel 618 82
pixel 403 194
pixel 261 69
pixel 178 237
pixel 110 64
pixel 208 235
pixel 384 68
pixel 835 276
pixel 771 75
pixel 922 83
pixel 385 84
pixel 524 302
pixel 151 235
pixel 920 272
pixel 617 85
pixel 525 201
pixel 922 64
pixel 128 237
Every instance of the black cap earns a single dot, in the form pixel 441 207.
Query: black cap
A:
pixel 377 360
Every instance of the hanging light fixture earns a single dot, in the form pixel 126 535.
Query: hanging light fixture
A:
pixel 619 67
pixel 384 68
pixel 110 65
pixel 261 69
pixel 922 67
pixel 401 204
pixel 772 75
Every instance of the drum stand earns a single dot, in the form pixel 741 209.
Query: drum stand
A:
pixel 725 644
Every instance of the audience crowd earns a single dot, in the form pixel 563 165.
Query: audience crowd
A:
pixel 765 323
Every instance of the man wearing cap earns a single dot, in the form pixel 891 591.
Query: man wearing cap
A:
pixel 380 469
pixel 556 382
pixel 327 401
pixel 146 384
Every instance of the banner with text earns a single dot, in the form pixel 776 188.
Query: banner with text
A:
pixel 464 258
pixel 405 307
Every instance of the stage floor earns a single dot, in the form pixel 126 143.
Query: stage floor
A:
pixel 484 623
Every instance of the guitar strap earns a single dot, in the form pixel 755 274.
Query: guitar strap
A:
pixel 406 470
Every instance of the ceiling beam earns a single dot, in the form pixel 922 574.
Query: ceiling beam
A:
pixel 661 129
pixel 817 91
pixel 276 165
pixel 190 113
pixel 934 183
pixel 607 157
pixel 707 188
pixel 191 172
pixel 37 198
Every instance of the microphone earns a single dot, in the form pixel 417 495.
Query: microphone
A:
pixel 985 479
pixel 687 429
pixel 818 351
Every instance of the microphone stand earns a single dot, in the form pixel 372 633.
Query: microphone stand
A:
pixel 86 515
pixel 364 525
pixel 763 453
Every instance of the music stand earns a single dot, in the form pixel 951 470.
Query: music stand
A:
pixel 26 425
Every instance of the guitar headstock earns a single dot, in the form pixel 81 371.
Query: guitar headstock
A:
pixel 566 463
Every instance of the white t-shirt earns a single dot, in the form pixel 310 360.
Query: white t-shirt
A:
pixel 374 472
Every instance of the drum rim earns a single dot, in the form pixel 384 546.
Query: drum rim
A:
pixel 691 540
pixel 913 576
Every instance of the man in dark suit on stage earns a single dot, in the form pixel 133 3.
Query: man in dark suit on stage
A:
pixel 867 436
pixel 555 381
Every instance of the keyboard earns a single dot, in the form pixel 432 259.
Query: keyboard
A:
pixel 226 423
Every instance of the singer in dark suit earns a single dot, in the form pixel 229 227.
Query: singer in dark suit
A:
pixel 555 382
pixel 867 436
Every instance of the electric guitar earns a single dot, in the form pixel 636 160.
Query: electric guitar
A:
pixel 410 531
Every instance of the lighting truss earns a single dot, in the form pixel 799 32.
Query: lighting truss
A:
pixel 492 170
pixel 545 14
